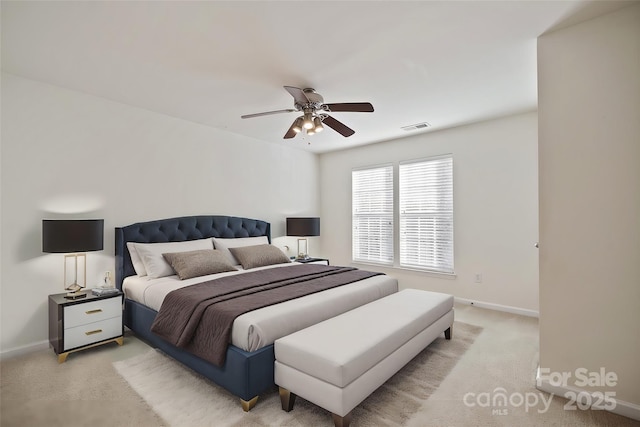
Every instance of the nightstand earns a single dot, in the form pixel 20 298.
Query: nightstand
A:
pixel 313 261
pixel 79 324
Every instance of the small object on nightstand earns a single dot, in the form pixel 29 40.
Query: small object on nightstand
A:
pixel 76 325
pixel 106 288
pixel 107 281
pixel 104 291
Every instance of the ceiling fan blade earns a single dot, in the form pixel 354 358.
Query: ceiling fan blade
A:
pixel 297 94
pixel 338 126
pixel 267 113
pixel 361 107
pixel 291 133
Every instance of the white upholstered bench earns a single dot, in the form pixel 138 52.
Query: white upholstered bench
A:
pixel 337 363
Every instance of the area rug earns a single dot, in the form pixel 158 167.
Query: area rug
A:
pixel 183 398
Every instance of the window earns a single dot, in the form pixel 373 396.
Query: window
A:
pixel 372 214
pixel 426 214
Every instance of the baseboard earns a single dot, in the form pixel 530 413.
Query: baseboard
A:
pixel 26 349
pixel 499 307
pixel 626 409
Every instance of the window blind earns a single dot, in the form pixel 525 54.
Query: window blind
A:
pixel 372 214
pixel 426 214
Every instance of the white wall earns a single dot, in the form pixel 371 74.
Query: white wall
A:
pixel 64 152
pixel 495 203
pixel 589 155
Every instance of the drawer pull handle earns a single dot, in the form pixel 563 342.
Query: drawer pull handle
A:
pixel 97 331
pixel 99 310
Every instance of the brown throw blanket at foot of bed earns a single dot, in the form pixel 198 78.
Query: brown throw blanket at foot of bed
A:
pixel 198 318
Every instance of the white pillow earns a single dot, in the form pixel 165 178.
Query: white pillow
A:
pixel 223 245
pixel 138 265
pixel 155 264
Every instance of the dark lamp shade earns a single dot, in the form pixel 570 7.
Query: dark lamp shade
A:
pixel 73 235
pixel 303 226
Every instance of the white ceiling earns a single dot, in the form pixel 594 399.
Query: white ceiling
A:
pixel 446 63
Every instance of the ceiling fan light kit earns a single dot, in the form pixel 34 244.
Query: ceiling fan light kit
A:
pixel 314 113
pixel 297 125
pixel 308 121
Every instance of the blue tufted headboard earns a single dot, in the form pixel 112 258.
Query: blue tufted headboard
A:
pixel 179 230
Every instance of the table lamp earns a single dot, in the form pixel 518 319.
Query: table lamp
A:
pixel 73 237
pixel 303 227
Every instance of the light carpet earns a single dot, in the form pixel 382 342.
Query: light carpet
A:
pixel 184 398
pixel 84 391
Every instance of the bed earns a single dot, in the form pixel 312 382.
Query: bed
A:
pixel 248 365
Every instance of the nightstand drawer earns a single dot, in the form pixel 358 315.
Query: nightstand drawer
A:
pixel 92 332
pixel 81 314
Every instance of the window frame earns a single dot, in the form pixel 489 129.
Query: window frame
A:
pixel 390 216
pixel 396 218
pixel 442 224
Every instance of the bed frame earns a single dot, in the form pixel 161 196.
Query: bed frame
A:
pixel 245 374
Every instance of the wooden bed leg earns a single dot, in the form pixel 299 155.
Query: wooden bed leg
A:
pixel 247 405
pixel 339 421
pixel 447 333
pixel 287 399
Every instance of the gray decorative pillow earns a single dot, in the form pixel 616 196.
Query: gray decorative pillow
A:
pixel 259 256
pixel 198 263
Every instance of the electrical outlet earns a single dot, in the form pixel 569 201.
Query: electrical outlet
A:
pixel 478 278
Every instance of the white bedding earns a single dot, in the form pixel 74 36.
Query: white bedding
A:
pixel 259 328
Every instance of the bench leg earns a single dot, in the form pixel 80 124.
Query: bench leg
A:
pixel 287 399
pixel 447 333
pixel 339 421
pixel 247 405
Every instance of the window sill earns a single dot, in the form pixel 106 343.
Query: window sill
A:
pixel 439 275
pixel 446 276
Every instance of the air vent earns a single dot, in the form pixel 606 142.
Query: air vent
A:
pixel 417 126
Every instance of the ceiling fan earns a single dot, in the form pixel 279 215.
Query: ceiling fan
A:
pixel 314 113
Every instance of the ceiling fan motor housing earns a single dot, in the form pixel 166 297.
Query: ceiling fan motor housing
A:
pixel 315 100
pixel 313 96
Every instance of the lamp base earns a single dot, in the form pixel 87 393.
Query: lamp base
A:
pixel 75 295
pixel 303 245
pixel 75 292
